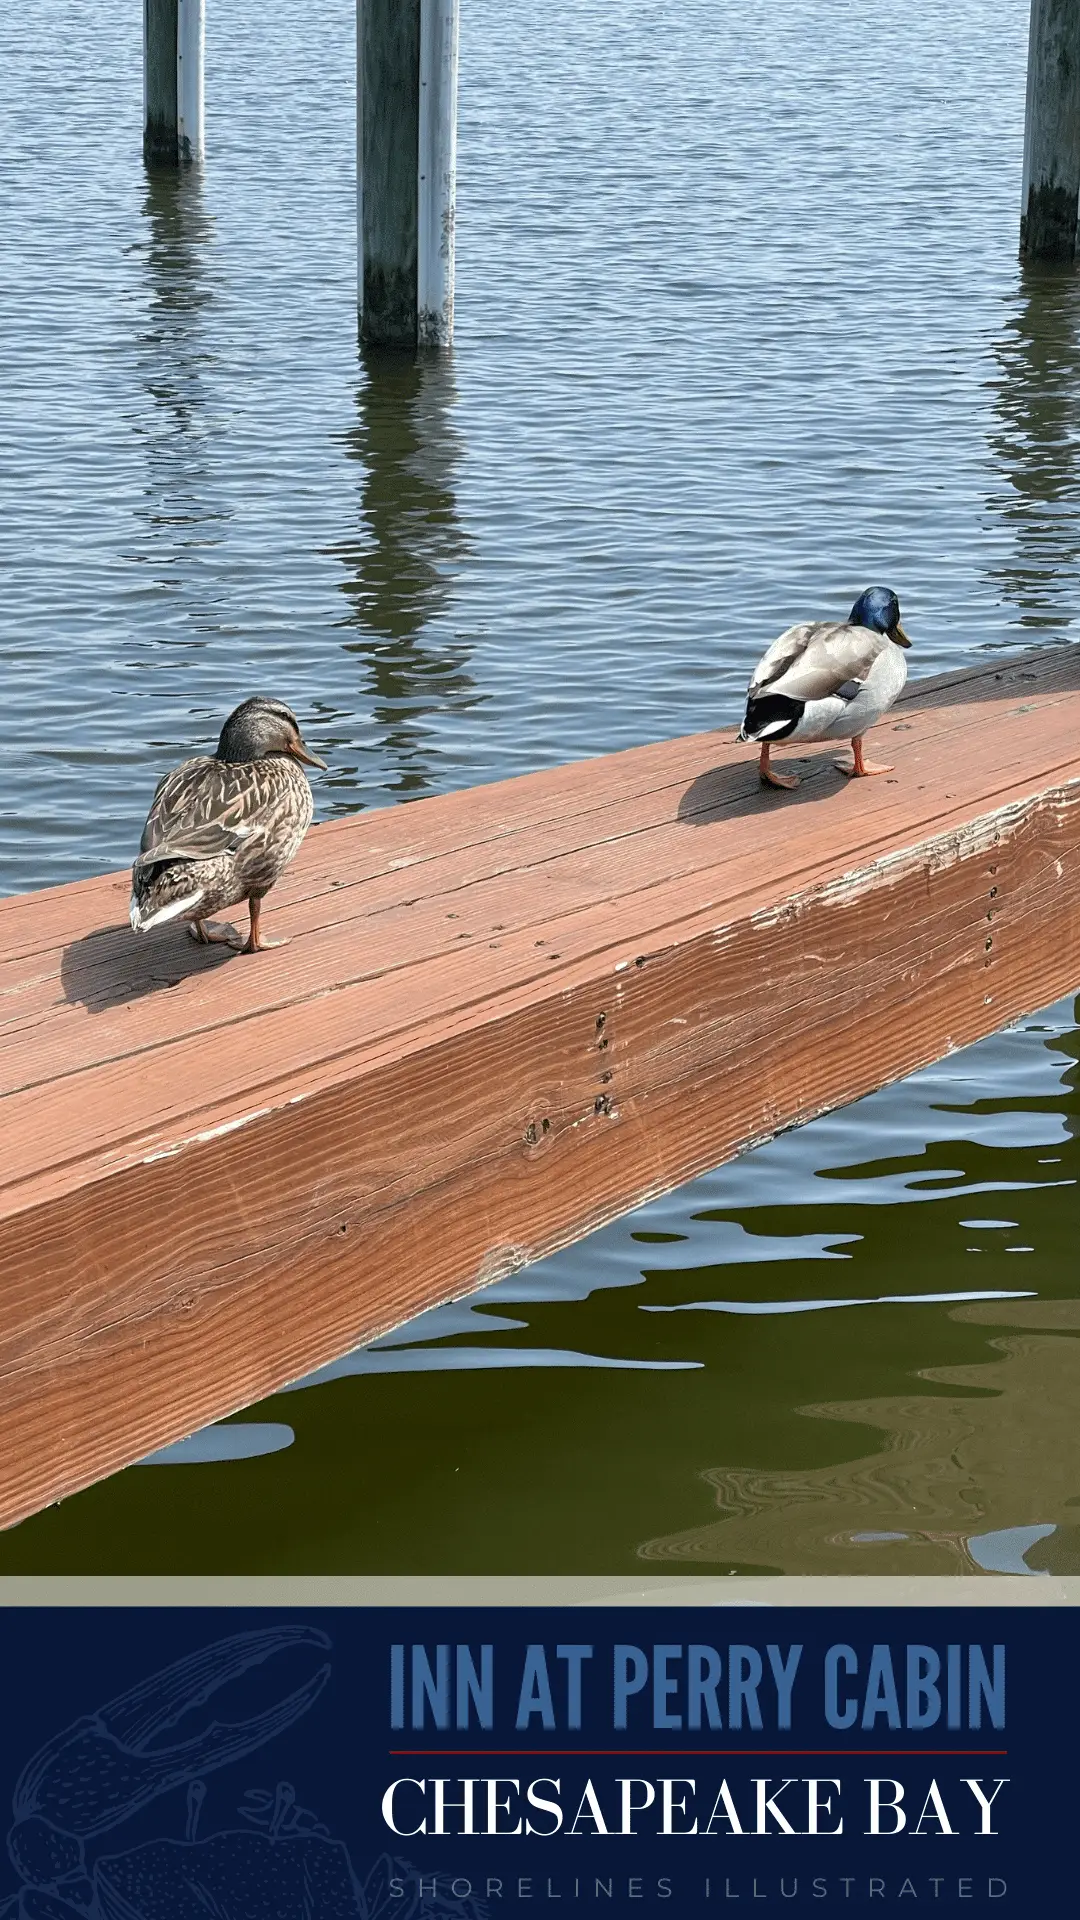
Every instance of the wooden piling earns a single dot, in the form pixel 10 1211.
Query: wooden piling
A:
pixel 406 144
pixel 174 33
pixel 1051 190
pixel 159 82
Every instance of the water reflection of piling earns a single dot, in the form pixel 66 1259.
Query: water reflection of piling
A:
pixel 400 563
pixel 1069 1045
pixel 179 232
pixel 951 1472
pixel 175 363
pixel 1037 442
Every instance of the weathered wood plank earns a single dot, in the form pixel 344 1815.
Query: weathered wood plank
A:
pixel 505 1016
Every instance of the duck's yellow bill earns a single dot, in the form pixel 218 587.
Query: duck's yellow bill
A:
pixel 897 633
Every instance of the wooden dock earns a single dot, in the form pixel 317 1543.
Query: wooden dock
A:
pixel 506 1015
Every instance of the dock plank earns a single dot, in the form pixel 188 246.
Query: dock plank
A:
pixel 506 1015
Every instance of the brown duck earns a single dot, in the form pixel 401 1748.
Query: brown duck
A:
pixel 223 829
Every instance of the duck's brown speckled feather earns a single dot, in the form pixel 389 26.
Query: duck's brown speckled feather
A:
pixel 224 830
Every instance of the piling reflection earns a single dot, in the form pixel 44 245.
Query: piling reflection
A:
pixel 953 1478
pixel 176 365
pixel 1037 445
pixel 400 563
pixel 977 1468
pixel 1069 1045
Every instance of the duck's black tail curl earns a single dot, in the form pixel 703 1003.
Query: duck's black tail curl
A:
pixel 772 717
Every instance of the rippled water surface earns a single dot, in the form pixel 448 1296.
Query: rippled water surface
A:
pixel 740 328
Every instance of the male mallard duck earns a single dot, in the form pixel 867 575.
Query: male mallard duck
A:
pixel 222 830
pixel 829 680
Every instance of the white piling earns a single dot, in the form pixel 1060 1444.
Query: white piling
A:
pixel 436 172
pixel 190 63
pixel 1051 190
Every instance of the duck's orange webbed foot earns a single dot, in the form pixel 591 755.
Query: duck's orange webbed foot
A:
pixel 858 768
pixel 771 779
pixel 257 941
pixel 207 936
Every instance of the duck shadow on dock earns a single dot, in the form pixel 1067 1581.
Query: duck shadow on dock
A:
pixel 112 966
pixel 725 791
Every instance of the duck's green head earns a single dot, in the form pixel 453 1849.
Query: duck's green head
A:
pixel 259 727
pixel 879 609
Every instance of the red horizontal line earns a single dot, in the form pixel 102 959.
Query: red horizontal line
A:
pixel 697 1753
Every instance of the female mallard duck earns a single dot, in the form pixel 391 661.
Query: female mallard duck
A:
pixel 222 830
pixel 829 680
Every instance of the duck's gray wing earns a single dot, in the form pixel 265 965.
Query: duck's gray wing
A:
pixel 819 661
pixel 785 652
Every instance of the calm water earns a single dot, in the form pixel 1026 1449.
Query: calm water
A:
pixel 740 328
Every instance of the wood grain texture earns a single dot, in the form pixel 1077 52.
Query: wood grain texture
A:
pixel 506 1015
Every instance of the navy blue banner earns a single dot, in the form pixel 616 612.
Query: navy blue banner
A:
pixel 423 1763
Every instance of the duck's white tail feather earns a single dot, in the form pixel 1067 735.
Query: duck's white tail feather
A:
pixel 141 922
